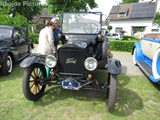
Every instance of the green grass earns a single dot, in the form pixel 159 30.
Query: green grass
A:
pixel 137 99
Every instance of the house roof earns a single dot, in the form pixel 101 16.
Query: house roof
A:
pixel 133 10
pixel 44 14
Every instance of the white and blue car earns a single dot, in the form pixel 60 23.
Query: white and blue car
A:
pixel 146 54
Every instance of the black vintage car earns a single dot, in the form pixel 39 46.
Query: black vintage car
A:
pixel 14 46
pixel 85 50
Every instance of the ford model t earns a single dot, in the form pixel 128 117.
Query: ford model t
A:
pixel 85 50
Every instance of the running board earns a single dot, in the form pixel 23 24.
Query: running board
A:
pixel 145 67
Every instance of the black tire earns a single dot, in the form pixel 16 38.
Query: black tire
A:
pixel 111 92
pixel 7 65
pixel 32 89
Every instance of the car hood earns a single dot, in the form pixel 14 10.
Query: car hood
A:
pixel 81 44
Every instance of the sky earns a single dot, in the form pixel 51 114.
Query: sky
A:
pixel 104 6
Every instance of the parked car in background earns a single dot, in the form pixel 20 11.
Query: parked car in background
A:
pixel 146 54
pixel 114 36
pixel 14 46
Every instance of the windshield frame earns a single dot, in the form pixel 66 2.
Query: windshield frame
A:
pixel 96 25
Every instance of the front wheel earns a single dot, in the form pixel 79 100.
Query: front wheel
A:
pixel 32 82
pixel 111 91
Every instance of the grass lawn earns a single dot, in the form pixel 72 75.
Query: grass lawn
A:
pixel 137 99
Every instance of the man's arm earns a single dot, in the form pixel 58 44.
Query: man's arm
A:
pixel 51 40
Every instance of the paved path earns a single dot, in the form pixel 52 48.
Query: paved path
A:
pixel 126 60
pixel 127 63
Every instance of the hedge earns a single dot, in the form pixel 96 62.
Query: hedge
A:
pixel 121 45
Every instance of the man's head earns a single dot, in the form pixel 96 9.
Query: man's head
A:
pixel 55 21
pixel 51 25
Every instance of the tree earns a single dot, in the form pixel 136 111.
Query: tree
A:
pixel 19 20
pixel 157 18
pixel 60 6
pixel 129 1
pixel 109 28
pixel 28 9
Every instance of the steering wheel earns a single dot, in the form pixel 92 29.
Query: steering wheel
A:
pixel 90 28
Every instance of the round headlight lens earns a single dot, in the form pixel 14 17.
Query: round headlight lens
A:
pixel 90 63
pixel 50 61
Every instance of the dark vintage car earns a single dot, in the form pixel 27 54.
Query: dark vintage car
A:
pixel 14 46
pixel 86 50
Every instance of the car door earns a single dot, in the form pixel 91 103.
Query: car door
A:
pixel 16 38
pixel 23 43
pixel 145 44
pixel 20 42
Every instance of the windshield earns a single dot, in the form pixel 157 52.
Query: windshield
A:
pixel 86 23
pixel 5 32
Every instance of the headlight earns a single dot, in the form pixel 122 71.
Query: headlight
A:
pixel 90 63
pixel 50 61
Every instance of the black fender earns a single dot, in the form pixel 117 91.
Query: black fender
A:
pixel 33 59
pixel 114 66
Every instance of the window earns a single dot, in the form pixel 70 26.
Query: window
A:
pixel 5 32
pixel 155 30
pixel 23 33
pixel 117 30
pixel 45 21
pixel 138 29
pixel 122 15
pixel 17 33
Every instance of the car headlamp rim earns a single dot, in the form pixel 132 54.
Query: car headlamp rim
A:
pixel 50 61
pixel 90 63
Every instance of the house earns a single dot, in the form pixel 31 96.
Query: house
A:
pixel 40 21
pixel 133 17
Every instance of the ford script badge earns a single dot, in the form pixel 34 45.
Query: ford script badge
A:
pixel 71 61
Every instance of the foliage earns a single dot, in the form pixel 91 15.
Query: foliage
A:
pixel 59 6
pixel 109 27
pixel 118 45
pixel 19 20
pixel 129 1
pixel 28 9
pixel 34 37
pixel 157 18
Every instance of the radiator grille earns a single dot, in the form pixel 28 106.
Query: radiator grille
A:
pixel 71 61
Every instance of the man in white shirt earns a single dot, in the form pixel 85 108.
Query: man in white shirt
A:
pixel 46 40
